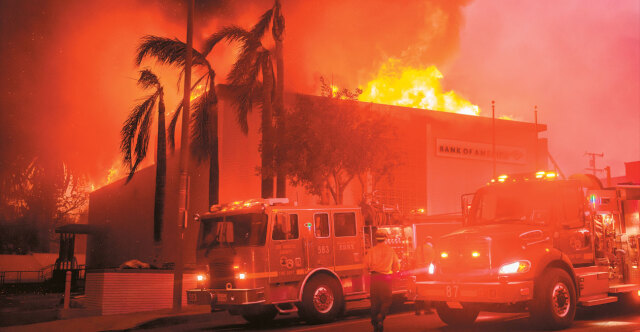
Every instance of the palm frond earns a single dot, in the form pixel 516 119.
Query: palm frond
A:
pixel 142 142
pixel 148 79
pixel 130 128
pixel 167 51
pixel 200 135
pixel 245 69
pixel 261 27
pixel 231 33
pixel 171 130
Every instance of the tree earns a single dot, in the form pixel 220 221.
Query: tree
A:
pixel 331 141
pixel 137 128
pixel 204 128
pixel 38 194
pixel 253 61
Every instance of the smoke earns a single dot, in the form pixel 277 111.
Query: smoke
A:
pixel 578 62
pixel 68 78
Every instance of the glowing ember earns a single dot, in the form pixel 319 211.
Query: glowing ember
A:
pixel 406 86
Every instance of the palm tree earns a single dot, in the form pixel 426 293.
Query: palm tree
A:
pixel 137 128
pixel 255 60
pixel 204 129
pixel 277 31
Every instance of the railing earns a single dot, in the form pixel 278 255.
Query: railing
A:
pixel 19 277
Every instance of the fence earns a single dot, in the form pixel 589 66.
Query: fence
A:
pixel 42 275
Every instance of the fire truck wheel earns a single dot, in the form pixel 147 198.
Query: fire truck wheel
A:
pixel 464 317
pixel 321 299
pixel 260 315
pixel 554 301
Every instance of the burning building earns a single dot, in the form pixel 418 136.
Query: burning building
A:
pixel 444 155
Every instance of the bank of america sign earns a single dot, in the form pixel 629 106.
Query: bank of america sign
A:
pixel 480 151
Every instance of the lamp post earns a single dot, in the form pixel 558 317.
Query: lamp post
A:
pixel 183 191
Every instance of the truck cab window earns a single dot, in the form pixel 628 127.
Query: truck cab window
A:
pixel 345 224
pixel 572 205
pixel 321 225
pixel 285 227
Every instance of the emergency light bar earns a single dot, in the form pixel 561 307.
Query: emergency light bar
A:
pixel 540 175
pixel 237 205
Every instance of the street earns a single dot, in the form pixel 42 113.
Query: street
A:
pixel 604 318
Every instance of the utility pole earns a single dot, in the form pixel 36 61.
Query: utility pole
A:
pixel 183 191
pixel 535 115
pixel 493 134
pixel 592 162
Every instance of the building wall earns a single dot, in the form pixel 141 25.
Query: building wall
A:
pixel 427 178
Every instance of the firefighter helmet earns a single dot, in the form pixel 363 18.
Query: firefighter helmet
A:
pixel 380 235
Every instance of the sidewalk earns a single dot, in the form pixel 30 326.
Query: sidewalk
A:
pixel 110 322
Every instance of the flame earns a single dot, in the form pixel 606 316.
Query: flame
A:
pixel 334 90
pixel 113 172
pixel 406 86
pixel 197 92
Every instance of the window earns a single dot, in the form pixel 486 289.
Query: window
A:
pixel 235 230
pixel 345 224
pixel 321 224
pixel 285 227
pixel 572 206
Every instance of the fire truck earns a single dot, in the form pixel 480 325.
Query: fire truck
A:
pixel 267 257
pixel 532 242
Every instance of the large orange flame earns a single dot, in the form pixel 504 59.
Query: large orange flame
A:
pixel 397 84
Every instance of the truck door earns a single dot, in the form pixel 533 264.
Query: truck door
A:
pixel 349 252
pixel 572 237
pixel 320 242
pixel 286 255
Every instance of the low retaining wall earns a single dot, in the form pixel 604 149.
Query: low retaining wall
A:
pixel 122 291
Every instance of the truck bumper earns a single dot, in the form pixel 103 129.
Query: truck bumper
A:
pixel 487 292
pixel 225 297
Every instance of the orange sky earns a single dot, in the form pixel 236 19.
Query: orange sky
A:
pixel 68 78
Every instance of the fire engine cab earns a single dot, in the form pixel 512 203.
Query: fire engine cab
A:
pixel 531 242
pixel 265 257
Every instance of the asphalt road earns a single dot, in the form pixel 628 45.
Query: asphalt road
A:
pixel 604 318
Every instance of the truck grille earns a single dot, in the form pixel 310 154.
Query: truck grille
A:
pixel 221 274
pixel 465 255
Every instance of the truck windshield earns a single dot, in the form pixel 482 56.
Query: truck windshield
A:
pixel 524 202
pixel 239 230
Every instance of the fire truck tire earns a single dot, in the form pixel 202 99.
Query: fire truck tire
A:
pixel 554 301
pixel 464 317
pixel 260 315
pixel 322 300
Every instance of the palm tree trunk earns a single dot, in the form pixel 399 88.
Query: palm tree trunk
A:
pixel 161 172
pixel 267 135
pixel 214 163
pixel 281 184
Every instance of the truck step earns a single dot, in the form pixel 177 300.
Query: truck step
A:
pixel 589 302
pixel 623 288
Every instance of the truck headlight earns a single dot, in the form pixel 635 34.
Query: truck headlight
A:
pixel 515 267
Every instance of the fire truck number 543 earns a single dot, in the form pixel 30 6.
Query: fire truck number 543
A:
pixel 323 250
pixel 452 291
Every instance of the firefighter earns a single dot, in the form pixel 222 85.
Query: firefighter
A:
pixel 424 257
pixel 382 262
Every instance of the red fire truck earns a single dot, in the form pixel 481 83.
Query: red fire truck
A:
pixel 534 243
pixel 266 257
